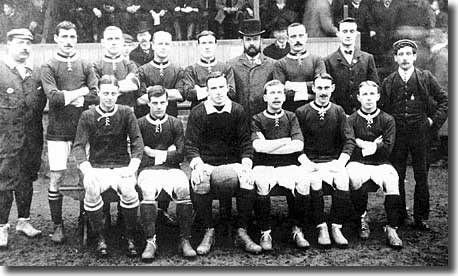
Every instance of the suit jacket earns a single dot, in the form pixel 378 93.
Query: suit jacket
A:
pixel 317 19
pixel 273 51
pixel 347 77
pixel 430 91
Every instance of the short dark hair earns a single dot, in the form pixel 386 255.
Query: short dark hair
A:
pixel 368 83
pixel 205 33
pixel 325 76
pixel 273 83
pixel 156 91
pixel 65 25
pixel 296 24
pixel 347 20
pixel 108 79
pixel 214 75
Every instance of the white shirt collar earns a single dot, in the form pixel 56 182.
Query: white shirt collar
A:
pixel 407 73
pixel 12 63
pixel 210 108
pixel 157 121
pixel 354 5
pixel 281 46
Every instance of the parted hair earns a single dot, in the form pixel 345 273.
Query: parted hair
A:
pixel 214 75
pixel 325 76
pixel 108 79
pixel 156 91
pixel 273 83
pixel 65 25
pixel 368 83
pixel 205 33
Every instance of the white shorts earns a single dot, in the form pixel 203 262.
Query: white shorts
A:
pixel 290 177
pixel 384 175
pixel 58 153
pixel 152 182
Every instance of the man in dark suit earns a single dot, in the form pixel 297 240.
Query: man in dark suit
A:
pixel 280 47
pixel 143 53
pixel 419 105
pixel 349 66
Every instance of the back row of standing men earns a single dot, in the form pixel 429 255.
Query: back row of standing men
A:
pixel 217 143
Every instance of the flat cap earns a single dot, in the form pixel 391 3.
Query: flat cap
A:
pixel 404 43
pixel 128 38
pixel 19 33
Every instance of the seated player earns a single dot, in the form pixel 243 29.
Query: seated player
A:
pixel 328 145
pixel 106 128
pixel 219 149
pixel 278 142
pixel 163 137
pixel 375 134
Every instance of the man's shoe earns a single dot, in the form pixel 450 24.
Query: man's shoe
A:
pixel 299 239
pixel 186 249
pixel 266 240
pixel 58 235
pixel 392 237
pixel 4 236
pixel 364 231
pixel 324 240
pixel 243 240
pixel 23 226
pixel 207 242
pixel 131 248
pixel 338 237
pixel 421 225
pixel 150 250
pixel 164 218
pixel 102 248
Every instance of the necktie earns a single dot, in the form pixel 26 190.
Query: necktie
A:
pixel 348 52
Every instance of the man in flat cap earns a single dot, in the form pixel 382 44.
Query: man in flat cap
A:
pixel 21 140
pixel 418 104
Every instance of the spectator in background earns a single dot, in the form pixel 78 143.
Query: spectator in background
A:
pixel 359 10
pixel 143 53
pixel 280 47
pixel 318 19
pixel 412 20
pixel 36 10
pixel 130 14
pixel 229 14
pixel 441 16
pixel 128 46
pixel 277 11
pixel 11 18
pixel 160 14
pixel 84 16
pixel 185 17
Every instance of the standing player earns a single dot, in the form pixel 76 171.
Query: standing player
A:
pixel 349 66
pixel 375 132
pixel 21 139
pixel 113 63
pixel 70 85
pixel 195 75
pixel 418 104
pixel 220 153
pixel 278 142
pixel 163 136
pixel 109 165
pixel 328 144
pixel 297 69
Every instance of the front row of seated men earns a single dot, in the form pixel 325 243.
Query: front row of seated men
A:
pixel 296 151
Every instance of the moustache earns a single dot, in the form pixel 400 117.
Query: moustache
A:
pixel 298 44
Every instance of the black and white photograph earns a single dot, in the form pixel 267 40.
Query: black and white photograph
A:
pixel 225 134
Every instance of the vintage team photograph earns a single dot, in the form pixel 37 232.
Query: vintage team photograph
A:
pixel 224 134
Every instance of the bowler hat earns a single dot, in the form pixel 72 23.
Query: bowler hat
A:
pixel 19 33
pixel 143 26
pixel 251 27
pixel 280 25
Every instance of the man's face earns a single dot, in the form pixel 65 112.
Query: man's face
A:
pixel 281 36
pixel 7 9
pixel 405 58
pixel 368 97
pixel 217 90
pixel 297 38
pixel 158 106
pixel 162 44
pixel 347 33
pixel 144 39
pixel 207 46
pixel 274 97
pixel 252 45
pixel 108 94
pixel 435 5
pixel 113 41
pixel 19 49
pixel 323 89
pixel 127 48
pixel 66 41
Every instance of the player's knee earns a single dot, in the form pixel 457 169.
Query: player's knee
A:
pixel 342 182
pixel 391 186
pixel 316 183
pixel 203 187
pixel 182 190
pixel 55 180
pixel 262 186
pixel 356 181
pixel 303 187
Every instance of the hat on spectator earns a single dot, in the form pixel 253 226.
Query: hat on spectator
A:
pixel 19 33
pixel 143 26
pixel 404 43
pixel 251 27
pixel 128 38
pixel 280 25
